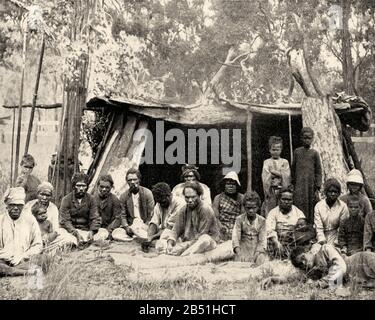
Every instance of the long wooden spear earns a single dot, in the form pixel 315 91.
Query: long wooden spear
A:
pixel 18 142
pixel 35 96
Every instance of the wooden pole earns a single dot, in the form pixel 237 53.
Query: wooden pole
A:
pixel 248 147
pixel 12 152
pixel 290 138
pixel 35 96
pixel 18 142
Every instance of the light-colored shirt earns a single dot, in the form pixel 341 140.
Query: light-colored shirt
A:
pixel 52 213
pixel 19 237
pixel 281 165
pixel 250 235
pixel 327 220
pixel 165 217
pixel 279 223
pixel 135 197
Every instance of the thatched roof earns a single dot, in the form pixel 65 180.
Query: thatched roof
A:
pixel 219 112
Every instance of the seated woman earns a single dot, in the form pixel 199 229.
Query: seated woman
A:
pixel 329 213
pixel 325 265
pixel 190 173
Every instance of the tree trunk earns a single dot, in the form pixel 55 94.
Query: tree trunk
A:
pixel 347 61
pixel 319 115
pixel 75 92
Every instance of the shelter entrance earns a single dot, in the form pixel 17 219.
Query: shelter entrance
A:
pixel 263 126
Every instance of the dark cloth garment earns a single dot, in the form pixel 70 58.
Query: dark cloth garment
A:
pixel 191 224
pixel 75 215
pixel 307 179
pixel 50 173
pixel 364 201
pixel 351 234
pixel 146 206
pixel 227 210
pixel 31 187
pixel 7 270
pixel 270 201
pixel 369 230
pixel 110 211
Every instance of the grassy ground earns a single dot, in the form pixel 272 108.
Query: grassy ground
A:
pixel 99 278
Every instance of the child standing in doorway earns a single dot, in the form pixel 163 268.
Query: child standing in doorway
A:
pixel 306 175
pixel 275 167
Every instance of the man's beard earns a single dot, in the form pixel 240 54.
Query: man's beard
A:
pixel 80 194
pixel 134 189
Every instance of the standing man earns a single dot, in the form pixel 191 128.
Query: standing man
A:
pixel 195 229
pixel 20 237
pixel 27 180
pixel 137 206
pixel 109 206
pixel 79 215
pixel 227 205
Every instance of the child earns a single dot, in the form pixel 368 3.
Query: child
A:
pixel 45 226
pixel 351 229
pixel 272 196
pixel 306 175
pixel 275 165
pixel 354 182
pixel 249 235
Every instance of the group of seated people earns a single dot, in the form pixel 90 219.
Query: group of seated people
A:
pixel 184 221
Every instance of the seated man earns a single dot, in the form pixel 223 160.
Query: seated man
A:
pixel 227 205
pixel 137 207
pixel 195 229
pixel 281 225
pixel 350 238
pixel 190 173
pixel 325 265
pixel 27 180
pixel 79 215
pixel 20 237
pixel 249 237
pixel 109 206
pixel 164 215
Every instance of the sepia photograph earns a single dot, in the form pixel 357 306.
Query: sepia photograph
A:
pixel 206 152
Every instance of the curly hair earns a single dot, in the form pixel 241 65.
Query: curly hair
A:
pixel 106 178
pixel 295 255
pixel 133 171
pixel 195 186
pixel 160 190
pixel 28 159
pixel 252 196
pixel 80 176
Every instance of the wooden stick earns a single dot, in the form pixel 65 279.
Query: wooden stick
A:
pixel 35 96
pixel 248 146
pixel 290 138
pixel 18 142
pixel 12 152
